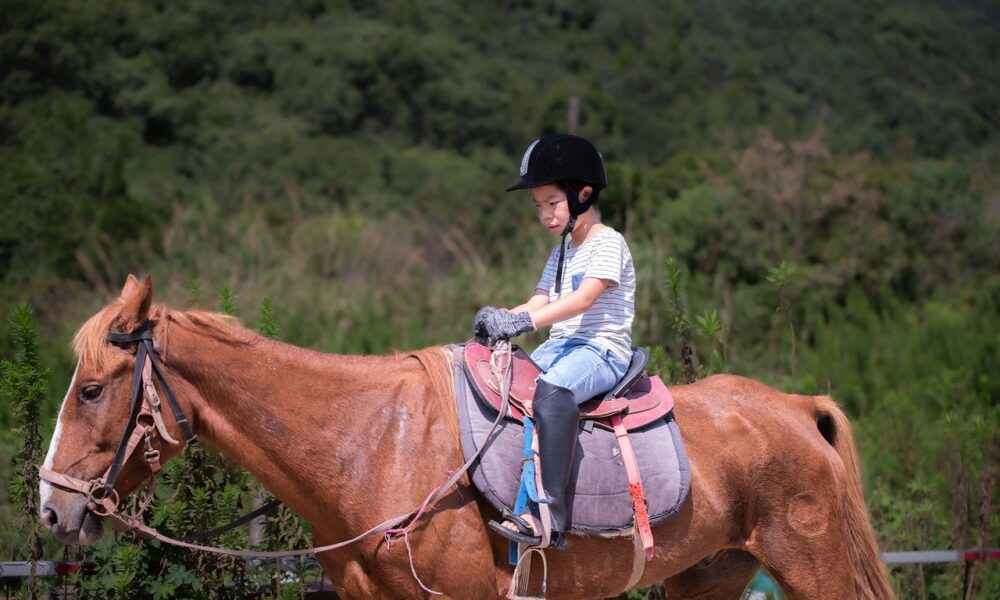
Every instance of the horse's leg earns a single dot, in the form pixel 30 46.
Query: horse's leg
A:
pixel 723 576
pixel 450 552
pixel 804 546
pixel 811 529
pixel 347 569
pixel 349 577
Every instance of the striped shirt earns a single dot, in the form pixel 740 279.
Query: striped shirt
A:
pixel 608 323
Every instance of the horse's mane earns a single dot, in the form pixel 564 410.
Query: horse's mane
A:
pixel 90 344
pixel 438 366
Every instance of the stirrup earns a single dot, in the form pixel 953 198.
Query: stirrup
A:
pixel 525 533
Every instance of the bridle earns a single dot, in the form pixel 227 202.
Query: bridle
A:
pixel 145 421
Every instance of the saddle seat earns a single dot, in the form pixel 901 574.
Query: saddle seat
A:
pixel 638 398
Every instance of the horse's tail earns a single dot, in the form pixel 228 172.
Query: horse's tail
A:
pixel 870 579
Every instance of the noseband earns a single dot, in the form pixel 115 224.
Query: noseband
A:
pixel 143 422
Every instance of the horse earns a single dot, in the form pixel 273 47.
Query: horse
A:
pixel 348 441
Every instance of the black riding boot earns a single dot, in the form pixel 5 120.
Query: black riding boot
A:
pixel 557 416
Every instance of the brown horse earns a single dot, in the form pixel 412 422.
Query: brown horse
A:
pixel 349 441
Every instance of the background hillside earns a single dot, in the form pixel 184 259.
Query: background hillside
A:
pixel 824 174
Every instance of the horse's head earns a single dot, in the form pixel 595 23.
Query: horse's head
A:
pixel 94 415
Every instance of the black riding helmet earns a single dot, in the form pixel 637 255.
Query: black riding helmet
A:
pixel 564 159
pixel 570 162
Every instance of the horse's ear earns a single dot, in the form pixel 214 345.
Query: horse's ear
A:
pixel 138 298
pixel 131 285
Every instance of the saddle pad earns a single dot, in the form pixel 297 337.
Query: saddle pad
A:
pixel 600 502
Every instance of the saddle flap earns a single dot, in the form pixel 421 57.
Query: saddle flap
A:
pixel 649 400
pixel 522 389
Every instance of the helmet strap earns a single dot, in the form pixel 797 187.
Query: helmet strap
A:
pixel 573 188
pixel 562 253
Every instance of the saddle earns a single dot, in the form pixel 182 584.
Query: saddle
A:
pixel 635 401
pixel 638 399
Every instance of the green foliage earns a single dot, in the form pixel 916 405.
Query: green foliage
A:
pixel 835 161
pixel 782 277
pixel 194 291
pixel 227 300
pixel 23 385
pixel 267 325
pixel 922 382
pixel 679 320
pixel 710 326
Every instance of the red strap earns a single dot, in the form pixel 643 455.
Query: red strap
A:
pixel 634 486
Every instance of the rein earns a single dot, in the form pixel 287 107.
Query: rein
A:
pixel 145 421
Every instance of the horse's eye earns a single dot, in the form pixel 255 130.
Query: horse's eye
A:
pixel 91 392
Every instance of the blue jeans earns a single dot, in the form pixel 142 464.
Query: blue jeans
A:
pixel 580 366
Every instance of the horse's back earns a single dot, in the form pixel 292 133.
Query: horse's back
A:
pixel 710 402
pixel 746 439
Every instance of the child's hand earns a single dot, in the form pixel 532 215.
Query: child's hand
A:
pixel 500 325
pixel 479 324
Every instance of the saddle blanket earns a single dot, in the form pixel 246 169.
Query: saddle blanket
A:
pixel 600 502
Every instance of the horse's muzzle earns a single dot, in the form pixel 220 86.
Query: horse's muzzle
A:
pixel 67 518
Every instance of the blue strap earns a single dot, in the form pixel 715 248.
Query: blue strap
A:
pixel 527 491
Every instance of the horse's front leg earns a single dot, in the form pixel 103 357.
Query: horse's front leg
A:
pixel 449 550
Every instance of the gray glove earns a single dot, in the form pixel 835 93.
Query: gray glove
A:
pixel 479 324
pixel 500 325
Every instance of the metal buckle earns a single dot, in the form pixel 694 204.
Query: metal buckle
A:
pixel 98 498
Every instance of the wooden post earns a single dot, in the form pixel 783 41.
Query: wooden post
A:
pixel 257 525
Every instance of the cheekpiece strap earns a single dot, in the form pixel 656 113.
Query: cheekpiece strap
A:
pixel 143 335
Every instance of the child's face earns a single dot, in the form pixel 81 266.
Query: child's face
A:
pixel 553 209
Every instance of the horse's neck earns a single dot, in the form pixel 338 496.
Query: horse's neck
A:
pixel 260 387
pixel 302 422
